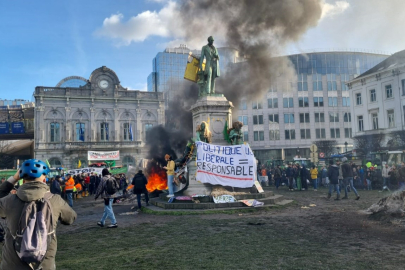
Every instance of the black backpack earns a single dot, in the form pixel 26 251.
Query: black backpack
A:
pixel 111 186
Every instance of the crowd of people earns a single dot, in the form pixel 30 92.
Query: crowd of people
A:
pixel 349 176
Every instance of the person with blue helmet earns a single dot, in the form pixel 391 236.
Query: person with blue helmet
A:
pixel 33 172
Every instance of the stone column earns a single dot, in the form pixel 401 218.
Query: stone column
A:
pixel 215 110
pixel 92 128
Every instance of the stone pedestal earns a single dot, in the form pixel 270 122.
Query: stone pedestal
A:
pixel 215 110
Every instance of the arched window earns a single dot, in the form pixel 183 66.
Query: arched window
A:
pixel 128 161
pixel 80 131
pixel 55 162
pixel 55 132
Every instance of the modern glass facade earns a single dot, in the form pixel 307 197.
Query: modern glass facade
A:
pixel 315 105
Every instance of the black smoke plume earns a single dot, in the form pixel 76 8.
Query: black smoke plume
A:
pixel 258 29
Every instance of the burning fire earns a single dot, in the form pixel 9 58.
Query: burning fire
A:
pixel 157 180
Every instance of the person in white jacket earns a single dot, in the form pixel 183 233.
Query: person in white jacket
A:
pixel 385 174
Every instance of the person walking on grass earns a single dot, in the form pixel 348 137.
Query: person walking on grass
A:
pixel 314 177
pixel 347 173
pixel 139 181
pixel 333 175
pixel 107 189
pixel 386 176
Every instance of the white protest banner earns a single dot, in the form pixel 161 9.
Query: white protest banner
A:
pixel 111 155
pixel 84 170
pixel 230 165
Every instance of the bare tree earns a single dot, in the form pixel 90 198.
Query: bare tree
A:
pixel 6 160
pixel 397 140
pixel 327 147
pixel 368 143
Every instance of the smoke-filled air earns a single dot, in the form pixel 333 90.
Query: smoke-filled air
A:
pixel 258 29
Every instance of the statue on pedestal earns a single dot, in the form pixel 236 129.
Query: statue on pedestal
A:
pixel 203 132
pixel 207 75
pixel 235 133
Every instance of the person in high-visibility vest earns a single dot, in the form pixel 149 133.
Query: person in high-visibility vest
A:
pixel 69 186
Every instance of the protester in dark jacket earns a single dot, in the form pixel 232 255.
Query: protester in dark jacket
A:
pixel 290 176
pixel 304 177
pixel 139 181
pixel 333 174
pixel 108 198
pixel 347 172
pixel 55 186
pixel 92 186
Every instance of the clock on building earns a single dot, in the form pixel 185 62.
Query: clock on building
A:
pixel 103 84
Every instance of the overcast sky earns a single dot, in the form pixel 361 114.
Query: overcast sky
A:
pixel 45 41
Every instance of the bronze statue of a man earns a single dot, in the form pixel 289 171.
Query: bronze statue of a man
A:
pixel 211 71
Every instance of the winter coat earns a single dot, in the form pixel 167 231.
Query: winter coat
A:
pixel 170 167
pixel 314 173
pixel 289 172
pixel 55 187
pixel 304 173
pixel 347 170
pixel 11 207
pixel 139 181
pixel 102 188
pixel 385 172
pixel 93 180
pixel 333 174
pixel 277 173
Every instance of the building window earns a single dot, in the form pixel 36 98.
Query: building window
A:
pixel 303 102
pixel 256 105
pixel 391 119
pixel 80 132
pixel 348 132
pixel 358 99
pixel 305 134
pixel 246 136
pixel 374 117
pixel 332 86
pixel 128 135
pixel 273 118
pixel 274 135
pixel 318 101
pixel 288 102
pixel 335 133
pixel 319 117
pixel 373 96
pixel 403 87
pixel 317 82
pixel 302 84
pixel 55 132
pixel 360 123
pixel 243 105
pixel 332 102
pixel 104 132
pixel 304 117
pixel 290 134
pixel 333 117
pixel 257 119
pixel 258 135
pixel 347 117
pixel 388 91
pixel 320 133
pixel 288 118
pixel 345 101
pixel 343 79
pixel 243 119
pixel 128 161
pixel 272 103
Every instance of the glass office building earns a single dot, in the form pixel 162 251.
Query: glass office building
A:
pixel 169 66
pixel 315 105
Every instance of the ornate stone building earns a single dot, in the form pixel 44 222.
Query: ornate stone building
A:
pixel 96 114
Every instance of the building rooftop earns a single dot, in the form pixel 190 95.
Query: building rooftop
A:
pixel 395 60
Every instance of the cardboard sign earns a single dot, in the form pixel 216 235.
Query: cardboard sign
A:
pixel 259 187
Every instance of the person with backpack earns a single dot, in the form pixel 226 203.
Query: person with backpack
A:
pixel 139 181
pixel 24 248
pixel 107 189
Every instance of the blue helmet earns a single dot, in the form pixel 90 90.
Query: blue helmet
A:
pixel 33 168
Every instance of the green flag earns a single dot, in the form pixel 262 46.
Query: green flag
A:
pixel 226 135
pixel 47 163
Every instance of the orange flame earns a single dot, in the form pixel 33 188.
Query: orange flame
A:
pixel 157 180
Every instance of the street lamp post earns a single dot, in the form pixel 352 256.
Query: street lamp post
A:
pixel 346 146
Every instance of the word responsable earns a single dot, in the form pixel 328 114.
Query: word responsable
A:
pixel 225 165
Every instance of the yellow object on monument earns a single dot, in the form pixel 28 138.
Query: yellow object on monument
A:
pixel 192 68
